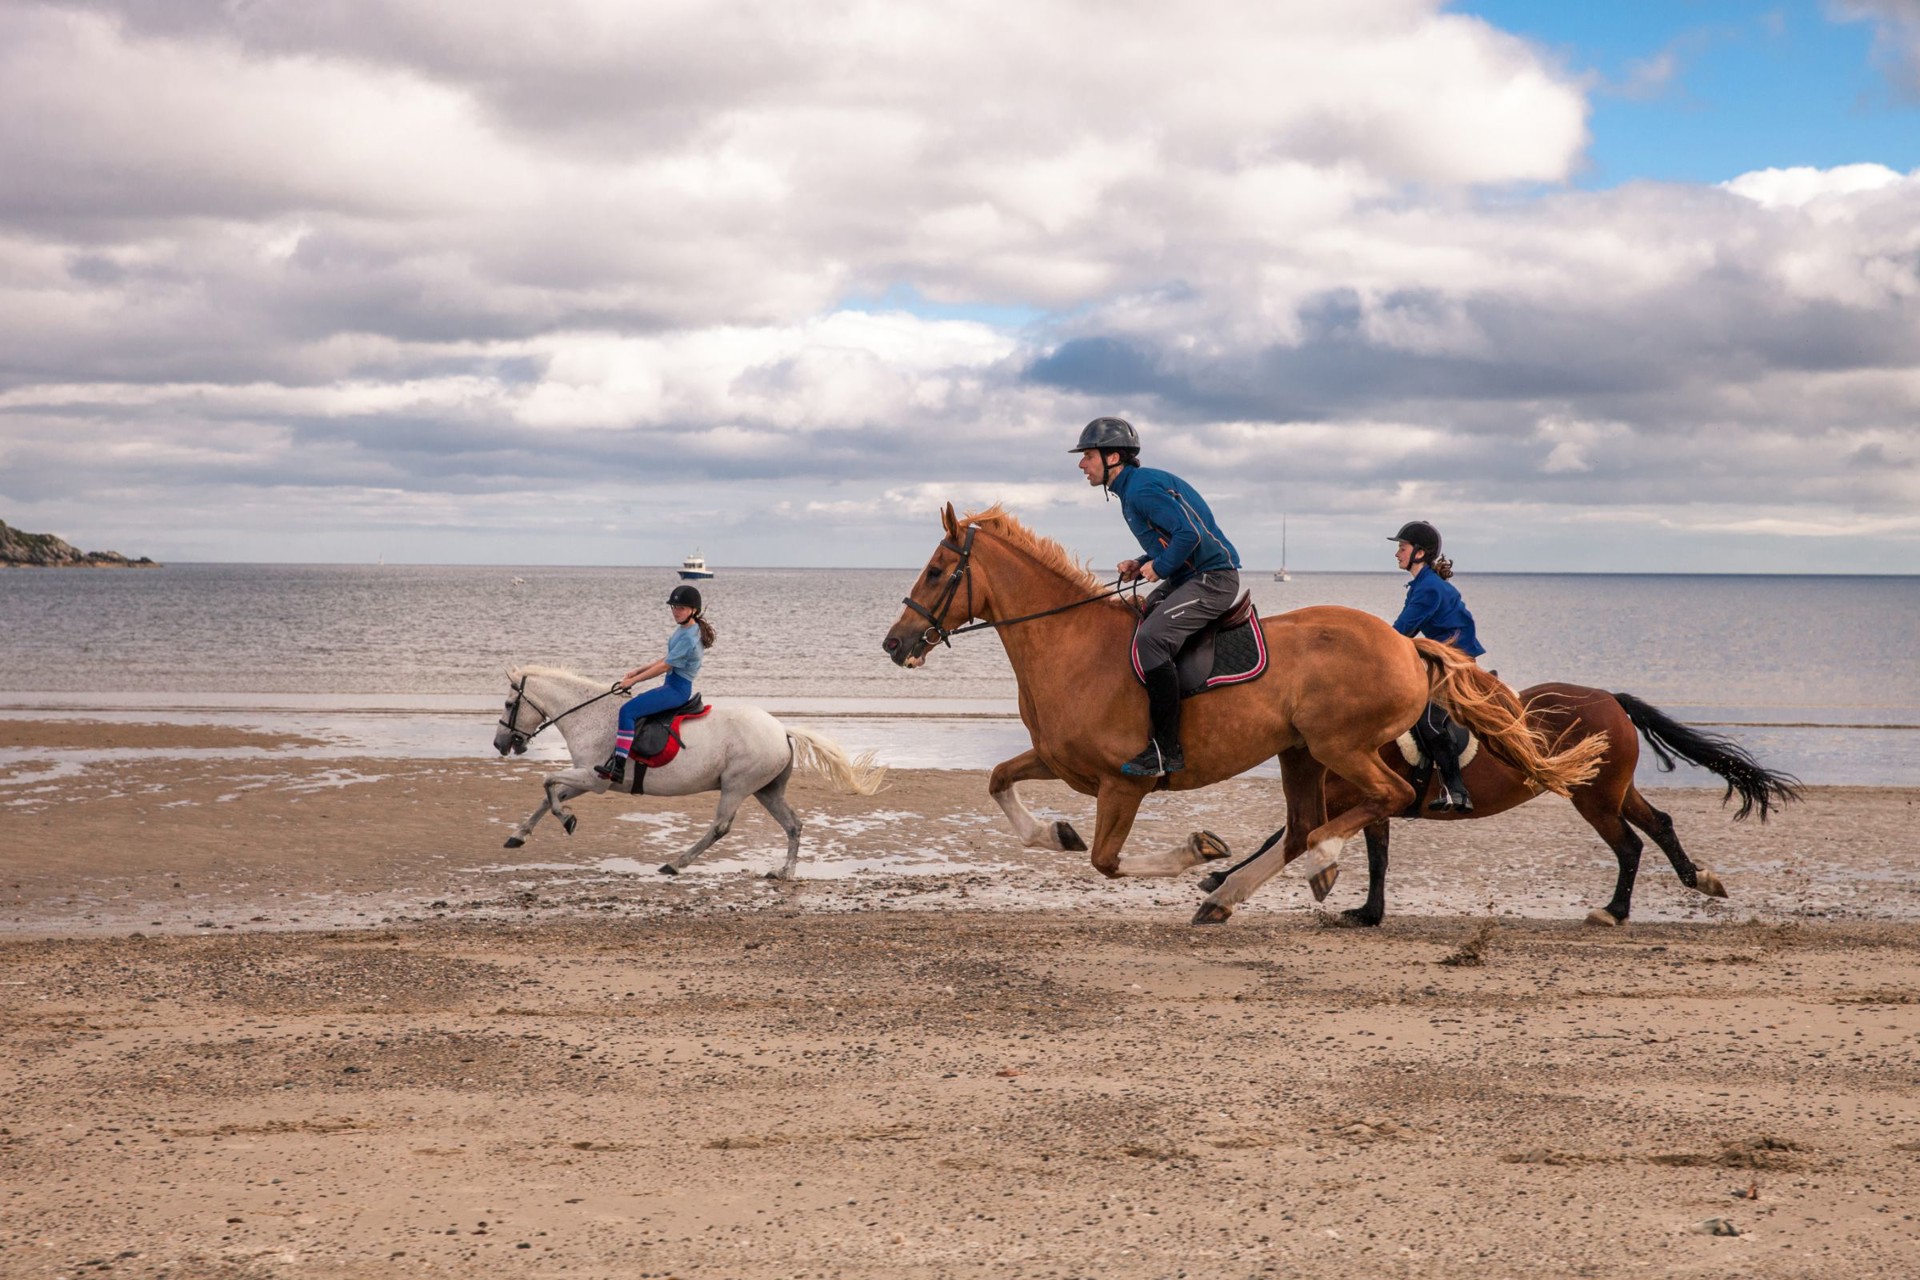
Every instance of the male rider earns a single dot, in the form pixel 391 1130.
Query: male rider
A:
pixel 1197 569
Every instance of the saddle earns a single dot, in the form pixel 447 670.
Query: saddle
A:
pixel 1229 650
pixel 657 737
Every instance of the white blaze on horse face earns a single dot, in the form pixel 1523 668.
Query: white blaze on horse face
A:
pixel 1321 856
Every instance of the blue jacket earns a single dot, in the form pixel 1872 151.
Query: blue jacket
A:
pixel 1172 523
pixel 1434 610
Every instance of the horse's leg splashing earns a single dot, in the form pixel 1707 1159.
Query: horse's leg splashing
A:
pixel 733 793
pixel 559 788
pixel 1034 834
pixel 1302 780
pixel 1658 825
pixel 1118 804
pixel 773 798
pixel 1199 847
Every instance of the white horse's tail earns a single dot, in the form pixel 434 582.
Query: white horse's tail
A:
pixel 859 776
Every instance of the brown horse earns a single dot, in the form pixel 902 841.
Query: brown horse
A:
pixel 1340 684
pixel 1610 802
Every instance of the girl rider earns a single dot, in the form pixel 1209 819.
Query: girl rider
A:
pixel 1434 609
pixel 691 634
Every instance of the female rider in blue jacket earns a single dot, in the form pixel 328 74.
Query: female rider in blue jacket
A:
pixel 1434 609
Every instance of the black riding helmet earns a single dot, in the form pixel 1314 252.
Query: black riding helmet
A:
pixel 684 595
pixel 1419 535
pixel 1108 433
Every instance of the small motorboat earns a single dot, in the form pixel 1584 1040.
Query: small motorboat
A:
pixel 695 566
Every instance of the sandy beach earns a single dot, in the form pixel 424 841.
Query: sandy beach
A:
pixel 266 1015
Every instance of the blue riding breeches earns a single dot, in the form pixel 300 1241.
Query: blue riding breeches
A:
pixel 669 693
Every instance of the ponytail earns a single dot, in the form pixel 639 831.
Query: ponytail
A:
pixel 1442 567
pixel 706 631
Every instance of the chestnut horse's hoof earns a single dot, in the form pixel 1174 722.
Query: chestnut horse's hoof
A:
pixel 1322 883
pixel 1359 918
pixel 1207 846
pixel 1212 880
pixel 1212 913
pixel 1069 838
pixel 1708 883
pixel 668 869
pixel 1602 917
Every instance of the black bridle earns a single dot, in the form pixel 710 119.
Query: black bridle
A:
pixel 516 740
pixel 939 633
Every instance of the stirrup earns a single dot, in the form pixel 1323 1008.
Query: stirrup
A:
pixel 614 770
pixel 1153 762
pixel 1450 800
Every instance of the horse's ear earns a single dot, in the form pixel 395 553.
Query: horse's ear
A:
pixel 513 673
pixel 950 522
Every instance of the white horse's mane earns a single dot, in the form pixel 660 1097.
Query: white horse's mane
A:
pixel 558 673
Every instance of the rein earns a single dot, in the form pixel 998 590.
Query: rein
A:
pixel 510 720
pixel 937 632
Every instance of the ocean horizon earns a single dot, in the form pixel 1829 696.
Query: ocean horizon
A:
pixel 1807 670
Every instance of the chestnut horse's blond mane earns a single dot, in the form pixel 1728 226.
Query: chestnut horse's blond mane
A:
pixel 1051 555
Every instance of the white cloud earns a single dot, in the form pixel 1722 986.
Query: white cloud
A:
pixel 495 265
pixel 1802 186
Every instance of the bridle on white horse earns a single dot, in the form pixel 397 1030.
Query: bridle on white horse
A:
pixel 938 633
pixel 516 740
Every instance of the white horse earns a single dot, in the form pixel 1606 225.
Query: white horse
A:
pixel 736 749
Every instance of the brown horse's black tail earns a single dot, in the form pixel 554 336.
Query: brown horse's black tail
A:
pixel 1756 784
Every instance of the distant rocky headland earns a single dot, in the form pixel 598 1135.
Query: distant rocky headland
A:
pixel 21 550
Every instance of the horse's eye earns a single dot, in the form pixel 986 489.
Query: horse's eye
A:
pixel 933 573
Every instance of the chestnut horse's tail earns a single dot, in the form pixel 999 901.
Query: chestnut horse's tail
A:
pixel 1756 784
pixel 1479 701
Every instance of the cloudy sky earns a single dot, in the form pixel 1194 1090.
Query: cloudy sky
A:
pixel 440 281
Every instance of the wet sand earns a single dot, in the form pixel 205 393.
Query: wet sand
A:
pixel 272 1016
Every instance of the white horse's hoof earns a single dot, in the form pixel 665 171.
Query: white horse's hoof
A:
pixel 514 842
pixel 570 823
pixel 668 869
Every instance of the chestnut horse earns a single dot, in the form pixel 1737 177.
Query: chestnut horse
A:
pixel 1340 684
pixel 1610 802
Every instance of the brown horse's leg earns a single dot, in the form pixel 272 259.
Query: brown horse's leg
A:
pixel 1303 778
pixel 1383 793
pixel 1636 810
pixel 1375 909
pixel 1034 834
pixel 1113 818
pixel 1626 847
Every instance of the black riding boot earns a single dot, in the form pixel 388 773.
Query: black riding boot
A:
pixel 1162 754
pixel 614 770
pixel 1446 762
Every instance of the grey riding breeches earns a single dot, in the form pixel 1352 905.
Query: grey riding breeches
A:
pixel 1178 612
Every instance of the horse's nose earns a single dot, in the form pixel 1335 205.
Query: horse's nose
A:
pixel 890 644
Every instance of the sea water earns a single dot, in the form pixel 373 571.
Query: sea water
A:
pixel 1816 675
